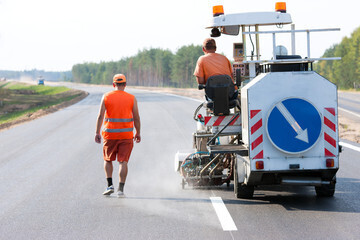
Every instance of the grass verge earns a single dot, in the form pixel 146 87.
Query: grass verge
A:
pixel 38 89
pixel 22 102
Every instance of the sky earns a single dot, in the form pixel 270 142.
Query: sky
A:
pixel 54 35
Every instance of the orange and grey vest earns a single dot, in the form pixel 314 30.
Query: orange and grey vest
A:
pixel 118 122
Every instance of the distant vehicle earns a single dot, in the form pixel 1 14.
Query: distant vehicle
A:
pixel 41 81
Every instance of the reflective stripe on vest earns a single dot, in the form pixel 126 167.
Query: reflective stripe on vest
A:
pixel 118 130
pixel 119 119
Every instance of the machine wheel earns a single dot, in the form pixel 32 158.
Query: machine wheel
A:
pixel 244 191
pixel 326 190
pixel 228 183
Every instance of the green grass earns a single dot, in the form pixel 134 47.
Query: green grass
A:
pixel 13 116
pixel 20 99
pixel 3 84
pixel 39 89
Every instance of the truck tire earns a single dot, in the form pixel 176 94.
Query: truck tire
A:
pixel 242 190
pixel 326 190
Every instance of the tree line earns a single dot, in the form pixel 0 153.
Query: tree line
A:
pixel 34 74
pixel 346 72
pixel 150 67
pixel 162 68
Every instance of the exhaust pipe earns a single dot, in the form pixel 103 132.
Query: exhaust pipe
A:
pixel 304 181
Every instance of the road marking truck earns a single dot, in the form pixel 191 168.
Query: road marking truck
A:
pixel 279 128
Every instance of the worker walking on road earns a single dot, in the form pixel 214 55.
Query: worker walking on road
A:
pixel 121 114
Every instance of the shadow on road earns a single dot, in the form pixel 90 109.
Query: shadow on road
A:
pixel 346 198
pixel 291 198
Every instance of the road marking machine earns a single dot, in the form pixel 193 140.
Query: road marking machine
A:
pixel 279 128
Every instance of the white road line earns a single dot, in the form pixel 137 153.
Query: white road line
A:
pixel 347 145
pixel 355 114
pixel 173 95
pixel 187 98
pixel 223 214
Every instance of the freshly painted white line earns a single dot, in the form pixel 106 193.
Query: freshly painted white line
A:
pixel 187 98
pixel 347 145
pixel 174 95
pixel 355 114
pixel 223 214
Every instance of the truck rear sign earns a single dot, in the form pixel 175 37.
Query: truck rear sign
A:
pixel 293 125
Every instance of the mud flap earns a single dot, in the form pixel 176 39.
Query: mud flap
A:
pixel 240 169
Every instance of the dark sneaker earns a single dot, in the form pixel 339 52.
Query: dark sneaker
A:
pixel 109 190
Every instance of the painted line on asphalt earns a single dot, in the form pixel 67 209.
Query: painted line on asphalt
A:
pixel 347 145
pixel 223 214
pixel 187 98
pixel 355 114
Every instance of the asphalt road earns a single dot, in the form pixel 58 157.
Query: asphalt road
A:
pixel 52 179
pixel 349 105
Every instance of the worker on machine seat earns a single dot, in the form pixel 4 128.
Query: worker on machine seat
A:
pixel 213 72
pixel 211 63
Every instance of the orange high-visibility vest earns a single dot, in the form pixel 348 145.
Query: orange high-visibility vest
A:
pixel 118 122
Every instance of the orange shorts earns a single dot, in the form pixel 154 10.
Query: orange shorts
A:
pixel 117 148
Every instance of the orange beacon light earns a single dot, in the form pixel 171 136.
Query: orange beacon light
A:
pixel 218 10
pixel 280 7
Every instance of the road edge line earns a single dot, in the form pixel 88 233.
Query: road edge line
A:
pixel 347 145
pixel 345 110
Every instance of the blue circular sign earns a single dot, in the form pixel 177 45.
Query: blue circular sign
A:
pixel 294 125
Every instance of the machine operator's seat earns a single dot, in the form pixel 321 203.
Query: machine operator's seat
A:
pixel 220 94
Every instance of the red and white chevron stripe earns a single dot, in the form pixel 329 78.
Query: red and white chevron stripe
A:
pixel 330 143
pixel 256 135
pixel 221 121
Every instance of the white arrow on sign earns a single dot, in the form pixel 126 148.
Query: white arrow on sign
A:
pixel 301 134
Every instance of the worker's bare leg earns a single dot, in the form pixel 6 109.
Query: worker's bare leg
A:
pixel 108 167
pixel 123 170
